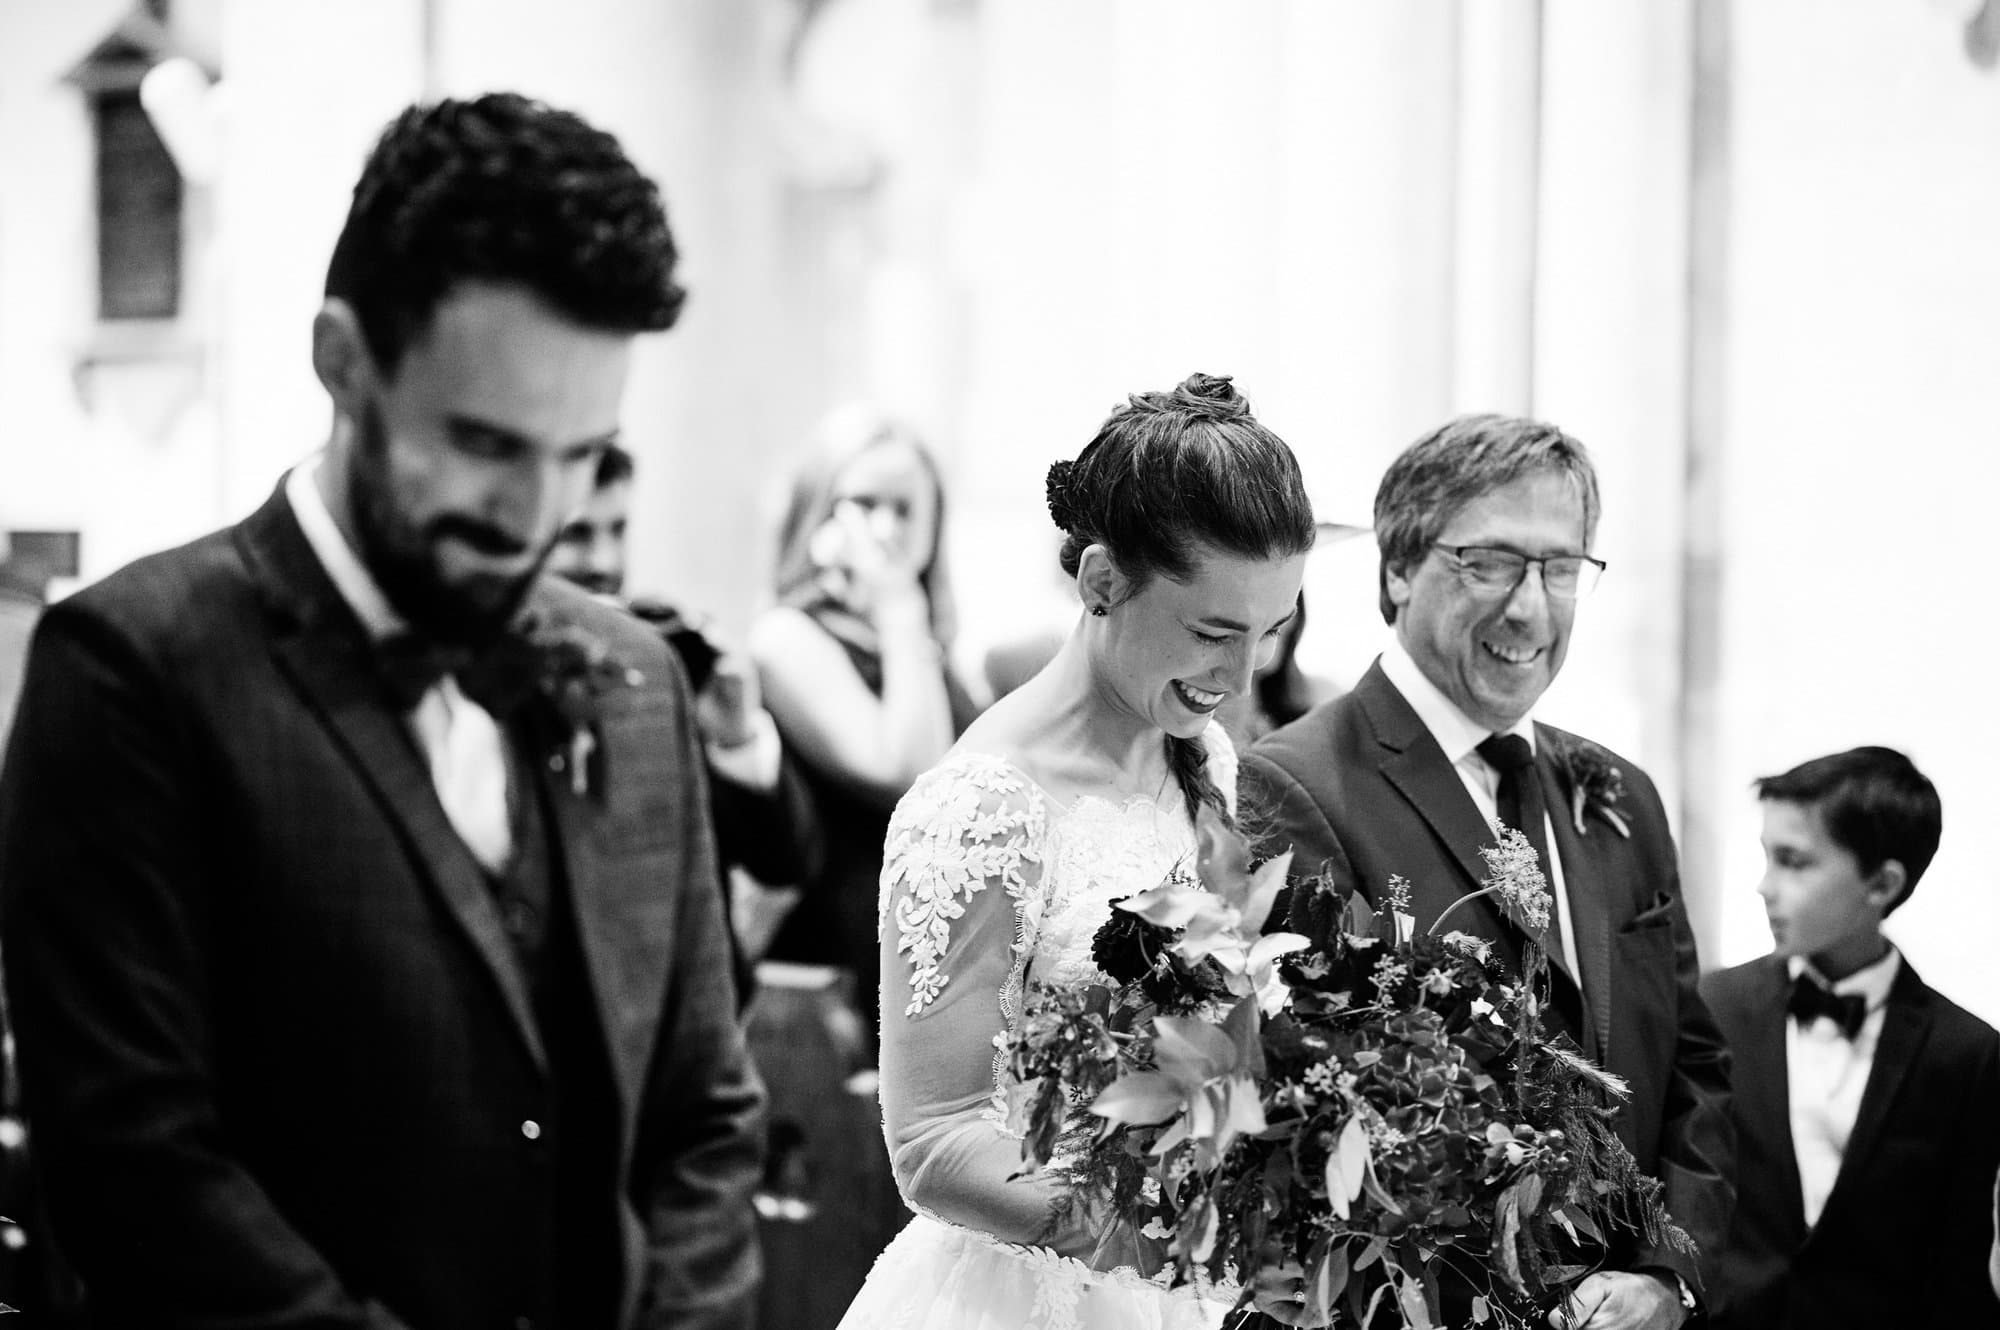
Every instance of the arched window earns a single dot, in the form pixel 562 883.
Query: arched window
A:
pixel 139 189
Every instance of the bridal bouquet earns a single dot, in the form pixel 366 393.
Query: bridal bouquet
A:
pixel 1341 1119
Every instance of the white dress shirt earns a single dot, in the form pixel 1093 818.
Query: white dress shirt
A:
pixel 1825 1074
pixel 1460 738
pixel 462 743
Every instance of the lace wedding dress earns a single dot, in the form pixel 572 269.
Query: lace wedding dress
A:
pixel 988 884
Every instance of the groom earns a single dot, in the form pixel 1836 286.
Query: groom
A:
pixel 1485 528
pixel 362 922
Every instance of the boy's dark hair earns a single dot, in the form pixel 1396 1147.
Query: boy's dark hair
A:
pixel 507 190
pixel 1874 803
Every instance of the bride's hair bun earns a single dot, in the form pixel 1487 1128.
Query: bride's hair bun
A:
pixel 1061 487
pixel 1211 397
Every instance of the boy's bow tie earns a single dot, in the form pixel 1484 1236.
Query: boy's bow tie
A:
pixel 1812 998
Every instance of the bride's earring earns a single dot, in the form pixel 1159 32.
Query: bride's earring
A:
pixel 1099 611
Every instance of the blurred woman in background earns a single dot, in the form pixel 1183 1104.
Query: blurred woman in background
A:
pixel 853 662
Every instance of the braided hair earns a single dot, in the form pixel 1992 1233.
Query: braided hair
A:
pixel 1169 476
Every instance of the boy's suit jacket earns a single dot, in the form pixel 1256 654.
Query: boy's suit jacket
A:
pixel 1904 1236
pixel 1360 786
pixel 280 1058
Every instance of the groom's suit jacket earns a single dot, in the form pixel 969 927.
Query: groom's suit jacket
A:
pixel 1904 1235
pixel 282 1062
pixel 1358 786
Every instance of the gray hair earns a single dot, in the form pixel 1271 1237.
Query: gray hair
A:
pixel 1458 462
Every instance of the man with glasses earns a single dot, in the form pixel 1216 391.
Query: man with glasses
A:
pixel 1485 527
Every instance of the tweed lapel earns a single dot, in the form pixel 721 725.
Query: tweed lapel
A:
pixel 325 651
pixel 1416 767
pixel 621 913
pixel 1586 867
pixel 1906 1025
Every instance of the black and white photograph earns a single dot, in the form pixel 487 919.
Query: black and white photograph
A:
pixel 999 664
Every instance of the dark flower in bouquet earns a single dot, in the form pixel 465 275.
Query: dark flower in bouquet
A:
pixel 1162 1060
pixel 1364 1125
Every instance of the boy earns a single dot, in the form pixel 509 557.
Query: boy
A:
pixel 1865 1103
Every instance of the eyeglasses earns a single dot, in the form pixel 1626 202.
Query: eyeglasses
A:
pixel 1492 571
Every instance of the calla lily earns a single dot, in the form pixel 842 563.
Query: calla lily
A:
pixel 1141 1098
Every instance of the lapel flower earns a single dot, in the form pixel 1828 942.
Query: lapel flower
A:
pixel 1595 784
pixel 572 667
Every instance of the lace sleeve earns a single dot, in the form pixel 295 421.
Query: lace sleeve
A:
pixel 962 829
pixel 961 883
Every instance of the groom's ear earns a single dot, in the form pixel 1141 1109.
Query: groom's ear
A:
pixel 340 356
pixel 1098 580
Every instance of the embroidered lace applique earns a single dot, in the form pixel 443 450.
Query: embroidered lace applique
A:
pixel 977 820
pixel 964 825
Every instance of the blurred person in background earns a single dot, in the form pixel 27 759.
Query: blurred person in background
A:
pixel 854 663
pixel 362 923
pixel 763 812
pixel 1867 1103
pixel 852 659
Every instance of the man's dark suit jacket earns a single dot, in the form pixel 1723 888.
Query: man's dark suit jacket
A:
pixel 1360 787
pixel 281 1061
pixel 1904 1236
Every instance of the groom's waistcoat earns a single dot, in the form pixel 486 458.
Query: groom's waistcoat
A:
pixel 571 1277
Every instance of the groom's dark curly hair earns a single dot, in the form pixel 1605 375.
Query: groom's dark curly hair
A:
pixel 508 190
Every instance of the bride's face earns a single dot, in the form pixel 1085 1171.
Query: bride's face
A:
pixel 1175 651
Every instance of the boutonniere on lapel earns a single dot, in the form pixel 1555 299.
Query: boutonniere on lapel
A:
pixel 1595 785
pixel 536 656
pixel 574 669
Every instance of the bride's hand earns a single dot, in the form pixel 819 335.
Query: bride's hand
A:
pixel 1103 1242
pixel 1123 1245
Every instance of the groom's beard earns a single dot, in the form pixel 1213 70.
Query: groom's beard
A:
pixel 402 556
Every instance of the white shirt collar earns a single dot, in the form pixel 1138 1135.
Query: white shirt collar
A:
pixel 1872 982
pixel 1455 732
pixel 349 576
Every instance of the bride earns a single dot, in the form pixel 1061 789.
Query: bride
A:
pixel 1187 528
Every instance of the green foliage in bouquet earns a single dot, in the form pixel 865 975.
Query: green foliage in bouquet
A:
pixel 1344 1119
